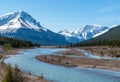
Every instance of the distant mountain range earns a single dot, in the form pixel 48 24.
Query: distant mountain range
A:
pixel 112 34
pixel 110 38
pixel 21 25
pixel 84 33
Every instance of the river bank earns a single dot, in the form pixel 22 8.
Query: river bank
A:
pixel 84 62
pixel 9 53
pixel 56 73
pixel 103 51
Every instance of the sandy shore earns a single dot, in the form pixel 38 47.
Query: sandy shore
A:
pixel 27 77
pixel 80 62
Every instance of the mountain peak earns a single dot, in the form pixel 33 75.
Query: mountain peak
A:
pixel 22 25
pixel 85 32
pixel 90 28
pixel 20 19
pixel 22 13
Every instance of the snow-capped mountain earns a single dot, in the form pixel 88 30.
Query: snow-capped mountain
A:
pixel 21 25
pixel 66 33
pixel 69 36
pixel 85 32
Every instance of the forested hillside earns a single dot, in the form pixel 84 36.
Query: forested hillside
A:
pixel 15 43
pixel 110 38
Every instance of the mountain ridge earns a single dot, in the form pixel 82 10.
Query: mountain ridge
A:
pixel 84 33
pixel 21 25
pixel 110 38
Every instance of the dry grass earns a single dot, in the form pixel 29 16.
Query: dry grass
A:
pixel 57 60
pixel 27 77
pixel 72 51
pixel 80 62
pixel 103 51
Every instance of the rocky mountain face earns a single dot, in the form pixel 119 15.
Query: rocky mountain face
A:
pixel 23 26
pixel 84 33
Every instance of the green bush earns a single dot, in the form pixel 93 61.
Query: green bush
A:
pixel 8 75
pixel 12 75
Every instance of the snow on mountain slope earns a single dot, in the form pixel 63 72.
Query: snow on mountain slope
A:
pixel 98 34
pixel 18 20
pixel 88 31
pixel 21 25
pixel 85 32
pixel 69 37
pixel 66 33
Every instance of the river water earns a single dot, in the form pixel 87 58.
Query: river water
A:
pixel 27 63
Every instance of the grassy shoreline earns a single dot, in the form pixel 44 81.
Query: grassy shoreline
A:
pixel 79 62
pixel 27 77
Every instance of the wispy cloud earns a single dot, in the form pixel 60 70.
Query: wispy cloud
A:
pixel 109 9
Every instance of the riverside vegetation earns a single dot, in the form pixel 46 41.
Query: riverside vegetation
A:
pixel 9 47
pixel 72 59
pixel 15 43
pixel 12 75
pixel 110 38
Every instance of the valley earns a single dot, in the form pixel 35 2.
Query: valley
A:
pixel 66 56
pixel 60 41
pixel 76 67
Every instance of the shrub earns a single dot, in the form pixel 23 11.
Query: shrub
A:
pixel 8 75
pixel 12 75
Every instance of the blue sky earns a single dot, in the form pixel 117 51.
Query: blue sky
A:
pixel 66 14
